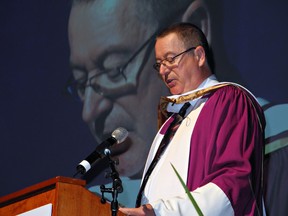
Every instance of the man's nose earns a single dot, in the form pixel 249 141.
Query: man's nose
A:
pixel 95 106
pixel 163 70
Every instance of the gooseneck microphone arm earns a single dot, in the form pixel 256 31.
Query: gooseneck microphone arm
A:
pixel 118 136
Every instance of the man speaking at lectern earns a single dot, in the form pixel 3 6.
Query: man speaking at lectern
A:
pixel 214 136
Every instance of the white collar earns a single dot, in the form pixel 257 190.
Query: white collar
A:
pixel 210 81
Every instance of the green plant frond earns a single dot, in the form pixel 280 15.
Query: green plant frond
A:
pixel 198 210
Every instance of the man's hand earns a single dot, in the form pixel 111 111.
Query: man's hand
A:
pixel 144 210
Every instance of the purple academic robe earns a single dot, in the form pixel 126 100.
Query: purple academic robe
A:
pixel 227 148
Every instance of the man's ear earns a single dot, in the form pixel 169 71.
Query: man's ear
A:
pixel 198 14
pixel 200 55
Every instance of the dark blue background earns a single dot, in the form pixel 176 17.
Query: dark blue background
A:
pixel 41 131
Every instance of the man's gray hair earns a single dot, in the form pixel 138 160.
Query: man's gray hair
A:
pixel 163 12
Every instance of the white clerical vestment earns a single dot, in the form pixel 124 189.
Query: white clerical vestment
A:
pixel 168 199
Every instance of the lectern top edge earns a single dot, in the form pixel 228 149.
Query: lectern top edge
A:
pixel 42 186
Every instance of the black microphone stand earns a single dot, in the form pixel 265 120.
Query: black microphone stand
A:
pixel 116 185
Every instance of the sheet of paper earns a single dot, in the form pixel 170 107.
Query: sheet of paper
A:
pixel 45 210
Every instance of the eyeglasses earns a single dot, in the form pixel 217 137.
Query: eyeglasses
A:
pixel 170 61
pixel 107 82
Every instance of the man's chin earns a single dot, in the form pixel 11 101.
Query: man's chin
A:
pixel 128 168
pixel 132 168
pixel 130 173
pixel 131 155
pixel 137 175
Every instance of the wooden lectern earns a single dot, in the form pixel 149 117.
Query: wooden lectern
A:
pixel 68 197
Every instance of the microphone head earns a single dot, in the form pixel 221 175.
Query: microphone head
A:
pixel 120 134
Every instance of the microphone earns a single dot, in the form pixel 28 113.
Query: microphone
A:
pixel 118 136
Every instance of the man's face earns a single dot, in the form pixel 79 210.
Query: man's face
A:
pixel 180 76
pixel 103 36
